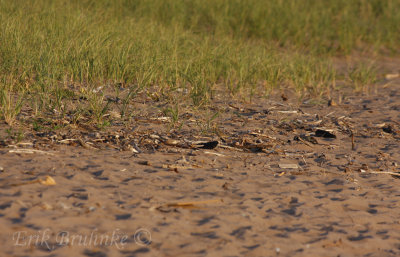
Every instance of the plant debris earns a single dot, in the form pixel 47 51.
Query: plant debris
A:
pixel 208 145
pixel 324 133
pixel 305 139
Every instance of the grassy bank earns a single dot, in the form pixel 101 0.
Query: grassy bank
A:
pixel 53 52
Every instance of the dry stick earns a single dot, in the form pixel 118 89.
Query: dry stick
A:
pixel 189 204
pixel 186 204
pixel 29 151
pixel 353 147
pixel 385 172
pixel 304 160
pixel 231 148
pixel 217 154
pixel 305 142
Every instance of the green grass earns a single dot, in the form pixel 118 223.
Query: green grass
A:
pixel 53 52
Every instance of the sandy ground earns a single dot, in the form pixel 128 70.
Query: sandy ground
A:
pixel 271 187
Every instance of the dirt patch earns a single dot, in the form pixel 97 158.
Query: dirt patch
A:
pixel 274 178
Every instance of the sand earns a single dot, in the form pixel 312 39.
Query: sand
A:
pixel 267 189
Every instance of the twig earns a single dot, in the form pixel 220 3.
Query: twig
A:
pixel 217 154
pixel 305 142
pixel 231 148
pixel 29 151
pixel 385 172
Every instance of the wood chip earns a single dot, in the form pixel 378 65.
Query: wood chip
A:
pixel 381 125
pixel 67 141
pixel 392 76
pixel 49 181
pixel 171 142
pixel 146 163
pixel 25 144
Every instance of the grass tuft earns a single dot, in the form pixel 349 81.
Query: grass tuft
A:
pixel 58 51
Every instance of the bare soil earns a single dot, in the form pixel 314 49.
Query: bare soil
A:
pixel 278 177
